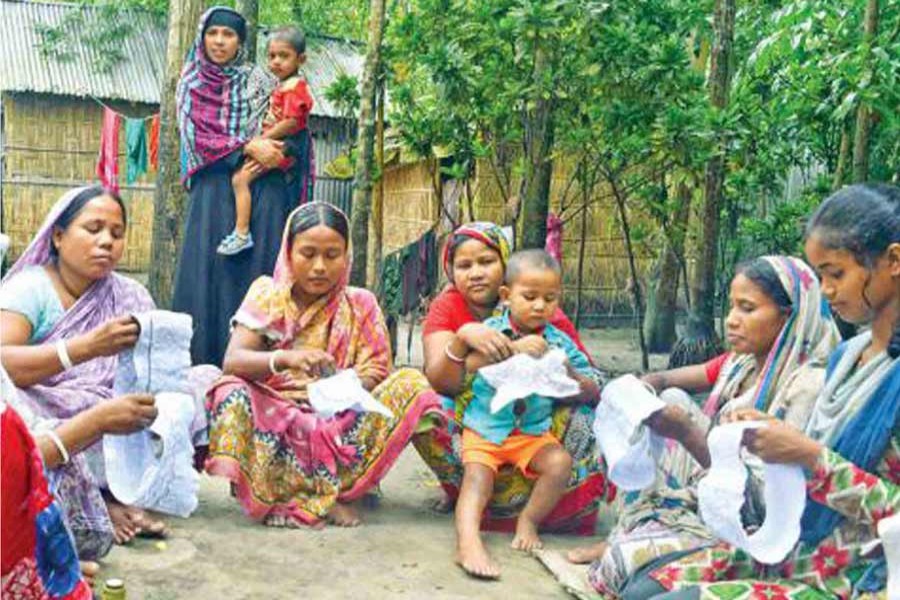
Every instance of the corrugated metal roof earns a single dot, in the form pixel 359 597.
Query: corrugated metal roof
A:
pixel 24 68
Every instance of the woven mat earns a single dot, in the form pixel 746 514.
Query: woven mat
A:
pixel 572 577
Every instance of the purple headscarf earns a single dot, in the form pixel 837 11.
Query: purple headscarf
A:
pixel 82 386
pixel 220 107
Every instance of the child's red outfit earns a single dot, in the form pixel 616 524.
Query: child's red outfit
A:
pixel 290 100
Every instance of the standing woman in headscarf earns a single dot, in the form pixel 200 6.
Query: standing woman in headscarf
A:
pixel 221 101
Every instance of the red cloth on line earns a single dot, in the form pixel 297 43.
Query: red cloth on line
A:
pixel 449 312
pixel 108 160
pixel 153 142
pixel 714 367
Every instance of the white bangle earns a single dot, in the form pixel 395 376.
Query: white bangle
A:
pixel 453 357
pixel 272 358
pixel 63 355
pixel 59 445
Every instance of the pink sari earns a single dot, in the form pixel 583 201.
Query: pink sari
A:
pixel 283 457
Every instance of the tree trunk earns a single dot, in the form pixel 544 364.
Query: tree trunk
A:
pixel 538 162
pixel 377 220
pixel 704 288
pixel 170 200
pixel 250 10
pixel 582 242
pixel 362 179
pixel 840 171
pixel 636 294
pixel 662 306
pixel 864 112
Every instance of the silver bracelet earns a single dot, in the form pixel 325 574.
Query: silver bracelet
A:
pixel 59 445
pixel 63 354
pixel 272 358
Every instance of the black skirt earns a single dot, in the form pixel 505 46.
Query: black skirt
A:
pixel 211 287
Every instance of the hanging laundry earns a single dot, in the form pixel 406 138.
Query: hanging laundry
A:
pixel 153 143
pixel 428 275
pixel 409 275
pixel 553 245
pixel 135 149
pixel 391 284
pixel 108 160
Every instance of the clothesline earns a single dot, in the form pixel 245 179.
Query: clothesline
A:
pixel 122 115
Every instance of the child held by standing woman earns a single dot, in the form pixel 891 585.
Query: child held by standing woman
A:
pixel 289 109
pixel 519 433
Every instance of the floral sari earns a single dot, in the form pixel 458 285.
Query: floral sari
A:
pixel 855 484
pixel 439 447
pixel 284 459
pixel 665 519
pixel 39 560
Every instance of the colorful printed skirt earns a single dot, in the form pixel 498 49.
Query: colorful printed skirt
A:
pixel 268 478
pixel 576 512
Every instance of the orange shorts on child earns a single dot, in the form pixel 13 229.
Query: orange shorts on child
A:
pixel 518 449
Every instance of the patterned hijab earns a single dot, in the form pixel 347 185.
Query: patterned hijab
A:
pixel 487 233
pixel 809 334
pixel 351 315
pixel 219 107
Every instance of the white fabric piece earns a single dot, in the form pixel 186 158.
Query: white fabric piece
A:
pixel 161 358
pixel 889 532
pixel 630 448
pixel 343 391
pixel 153 469
pixel 523 375
pixel 721 496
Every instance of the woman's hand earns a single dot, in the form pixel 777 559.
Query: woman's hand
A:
pixel 126 414
pixel 778 442
pixel 313 362
pixel 745 414
pixel 268 153
pixel 672 422
pixel 484 340
pixel 108 339
pixel 533 345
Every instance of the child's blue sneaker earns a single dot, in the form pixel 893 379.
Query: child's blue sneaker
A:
pixel 234 243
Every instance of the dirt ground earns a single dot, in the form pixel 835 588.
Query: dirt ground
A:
pixel 403 549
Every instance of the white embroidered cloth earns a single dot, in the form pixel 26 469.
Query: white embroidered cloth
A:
pixel 523 375
pixel 630 448
pixel 889 532
pixel 343 391
pixel 153 468
pixel 161 359
pixel 721 496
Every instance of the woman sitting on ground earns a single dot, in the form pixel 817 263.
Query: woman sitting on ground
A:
pixel 780 334
pixel 474 260
pixel 850 445
pixel 290 466
pixel 64 318
pixel 32 520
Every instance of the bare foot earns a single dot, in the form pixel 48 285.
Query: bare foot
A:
pixel 89 570
pixel 124 525
pixel 474 559
pixel 280 521
pixel 149 527
pixel 526 538
pixel 343 515
pixel 586 554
